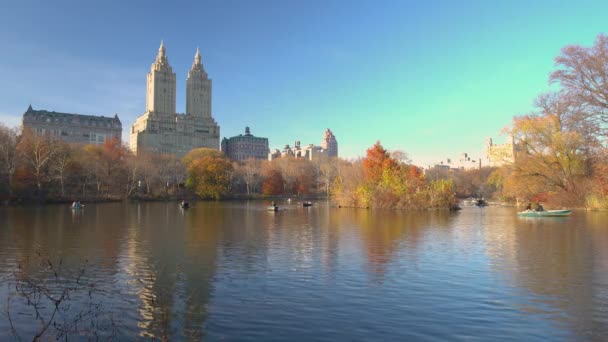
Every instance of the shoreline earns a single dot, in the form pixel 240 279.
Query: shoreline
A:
pixel 245 197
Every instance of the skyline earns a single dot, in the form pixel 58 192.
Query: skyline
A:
pixel 432 80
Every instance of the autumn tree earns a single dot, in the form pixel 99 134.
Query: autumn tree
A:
pixel 582 73
pixel 171 171
pixel 348 179
pixel 553 150
pixel 474 182
pixel 8 155
pixel 36 151
pixel 381 180
pixel 305 177
pixel 61 164
pixel 209 172
pixel 326 172
pixel 288 169
pixel 376 161
pixel 250 171
pixel 107 166
pixel 273 183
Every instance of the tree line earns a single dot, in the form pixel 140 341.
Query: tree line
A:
pixel 43 168
pixel 560 148
pixel 561 156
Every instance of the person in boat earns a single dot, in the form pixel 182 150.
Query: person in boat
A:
pixel 274 204
pixel 76 205
pixel 539 207
pixel 184 204
pixel 529 206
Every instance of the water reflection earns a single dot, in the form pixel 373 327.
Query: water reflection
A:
pixel 234 270
pixel 561 262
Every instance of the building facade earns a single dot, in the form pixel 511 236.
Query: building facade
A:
pixel 242 147
pixel 464 162
pixel 329 143
pixel 498 155
pixel 160 129
pixel 328 149
pixel 73 128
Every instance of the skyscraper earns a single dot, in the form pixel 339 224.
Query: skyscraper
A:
pixel 160 129
pixel 330 144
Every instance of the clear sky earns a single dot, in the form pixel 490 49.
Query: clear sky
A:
pixel 431 78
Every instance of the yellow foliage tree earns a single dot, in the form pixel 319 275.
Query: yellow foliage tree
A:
pixel 209 173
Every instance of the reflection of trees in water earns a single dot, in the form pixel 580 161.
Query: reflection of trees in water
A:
pixel 384 233
pixel 92 237
pixel 54 256
pixel 202 231
pixel 245 235
pixel 563 261
pixel 173 261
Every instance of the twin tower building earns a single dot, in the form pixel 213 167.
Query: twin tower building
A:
pixel 160 129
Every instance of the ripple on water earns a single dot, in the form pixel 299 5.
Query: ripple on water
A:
pixel 233 271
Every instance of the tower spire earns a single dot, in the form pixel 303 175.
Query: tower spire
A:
pixel 197 64
pixel 198 89
pixel 197 57
pixel 161 49
pixel 161 57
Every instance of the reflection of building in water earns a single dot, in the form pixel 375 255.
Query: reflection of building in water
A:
pixel 171 270
pixel 330 227
pixel 202 241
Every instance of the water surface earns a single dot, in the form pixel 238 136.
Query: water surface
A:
pixel 233 271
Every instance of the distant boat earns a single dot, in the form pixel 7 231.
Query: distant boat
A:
pixel 307 204
pixel 481 203
pixel 77 206
pixel 544 213
pixel 273 208
pixel 184 205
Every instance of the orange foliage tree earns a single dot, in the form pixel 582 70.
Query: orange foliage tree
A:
pixel 273 182
pixel 389 182
pixel 106 165
pixel 376 161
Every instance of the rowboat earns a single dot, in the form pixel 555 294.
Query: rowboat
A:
pixel 544 213
pixel 77 205
pixel 273 208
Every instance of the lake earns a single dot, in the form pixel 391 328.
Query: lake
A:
pixel 235 271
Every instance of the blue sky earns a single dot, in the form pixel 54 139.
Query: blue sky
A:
pixel 430 78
